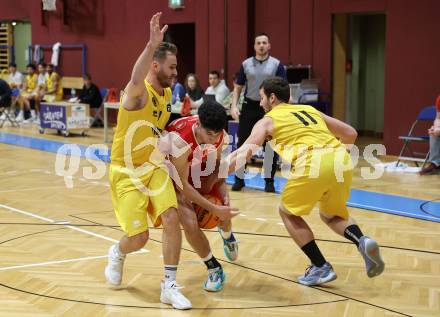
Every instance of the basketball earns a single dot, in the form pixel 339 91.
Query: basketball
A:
pixel 205 218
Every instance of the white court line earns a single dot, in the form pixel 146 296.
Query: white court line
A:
pixel 261 219
pixel 30 214
pixel 59 261
pixel 51 262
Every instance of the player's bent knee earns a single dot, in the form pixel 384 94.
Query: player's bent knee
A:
pixel 191 225
pixel 325 217
pixel 284 213
pixel 170 217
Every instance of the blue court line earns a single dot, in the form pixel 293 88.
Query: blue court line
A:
pixel 392 204
pixel 89 152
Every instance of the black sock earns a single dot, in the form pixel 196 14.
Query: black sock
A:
pixel 353 233
pixel 212 263
pixel 314 254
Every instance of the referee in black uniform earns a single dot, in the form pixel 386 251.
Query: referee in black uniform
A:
pixel 253 72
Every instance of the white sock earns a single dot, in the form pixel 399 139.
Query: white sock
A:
pixel 208 257
pixel 170 273
pixel 118 251
pixel 225 234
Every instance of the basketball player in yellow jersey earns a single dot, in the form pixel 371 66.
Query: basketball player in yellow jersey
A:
pixel 321 172
pixel 54 87
pixel 140 188
pixel 30 92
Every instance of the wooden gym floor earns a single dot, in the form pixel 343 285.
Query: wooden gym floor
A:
pixel 54 242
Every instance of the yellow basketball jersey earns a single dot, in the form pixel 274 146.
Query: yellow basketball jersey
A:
pixel 297 128
pixel 50 82
pixel 141 126
pixel 31 82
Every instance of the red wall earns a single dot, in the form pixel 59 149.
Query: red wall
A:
pixel 412 79
pixel 116 31
pixel 412 53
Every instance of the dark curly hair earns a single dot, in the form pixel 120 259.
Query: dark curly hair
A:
pixel 212 116
pixel 277 86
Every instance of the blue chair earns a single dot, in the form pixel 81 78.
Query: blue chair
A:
pixel 426 114
pixel 104 94
pixel 322 104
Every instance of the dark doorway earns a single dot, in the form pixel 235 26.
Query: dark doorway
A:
pixel 359 71
pixel 183 35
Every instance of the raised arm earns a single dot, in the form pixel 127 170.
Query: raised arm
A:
pixel 135 93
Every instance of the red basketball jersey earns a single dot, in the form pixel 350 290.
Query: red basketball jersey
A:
pixel 185 129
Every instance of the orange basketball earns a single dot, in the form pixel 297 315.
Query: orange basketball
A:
pixel 205 218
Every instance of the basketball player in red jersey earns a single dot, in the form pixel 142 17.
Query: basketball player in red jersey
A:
pixel 196 149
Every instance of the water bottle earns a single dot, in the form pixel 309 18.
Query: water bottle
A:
pixel 72 92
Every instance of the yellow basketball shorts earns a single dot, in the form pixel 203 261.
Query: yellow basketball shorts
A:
pixel 52 97
pixel 136 200
pixel 301 194
pixel 25 94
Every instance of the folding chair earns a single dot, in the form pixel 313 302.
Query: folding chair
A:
pixel 426 114
pixel 7 114
pixel 104 95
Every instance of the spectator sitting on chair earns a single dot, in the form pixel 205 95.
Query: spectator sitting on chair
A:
pixel 434 145
pixel 42 75
pixel 193 90
pixel 15 80
pixel 91 95
pixel 178 90
pixel 218 87
pixel 42 78
pixel 29 93
pixel 54 87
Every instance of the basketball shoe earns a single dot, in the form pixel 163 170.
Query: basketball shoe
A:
pixel 371 254
pixel 115 266
pixel 318 275
pixel 230 247
pixel 171 295
pixel 215 280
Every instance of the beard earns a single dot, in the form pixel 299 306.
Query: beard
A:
pixel 164 80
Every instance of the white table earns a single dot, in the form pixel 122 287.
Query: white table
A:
pixel 108 105
pixel 64 117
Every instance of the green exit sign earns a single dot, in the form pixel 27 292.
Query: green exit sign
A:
pixel 176 4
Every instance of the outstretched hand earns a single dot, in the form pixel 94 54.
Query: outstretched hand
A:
pixel 226 212
pixel 156 33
